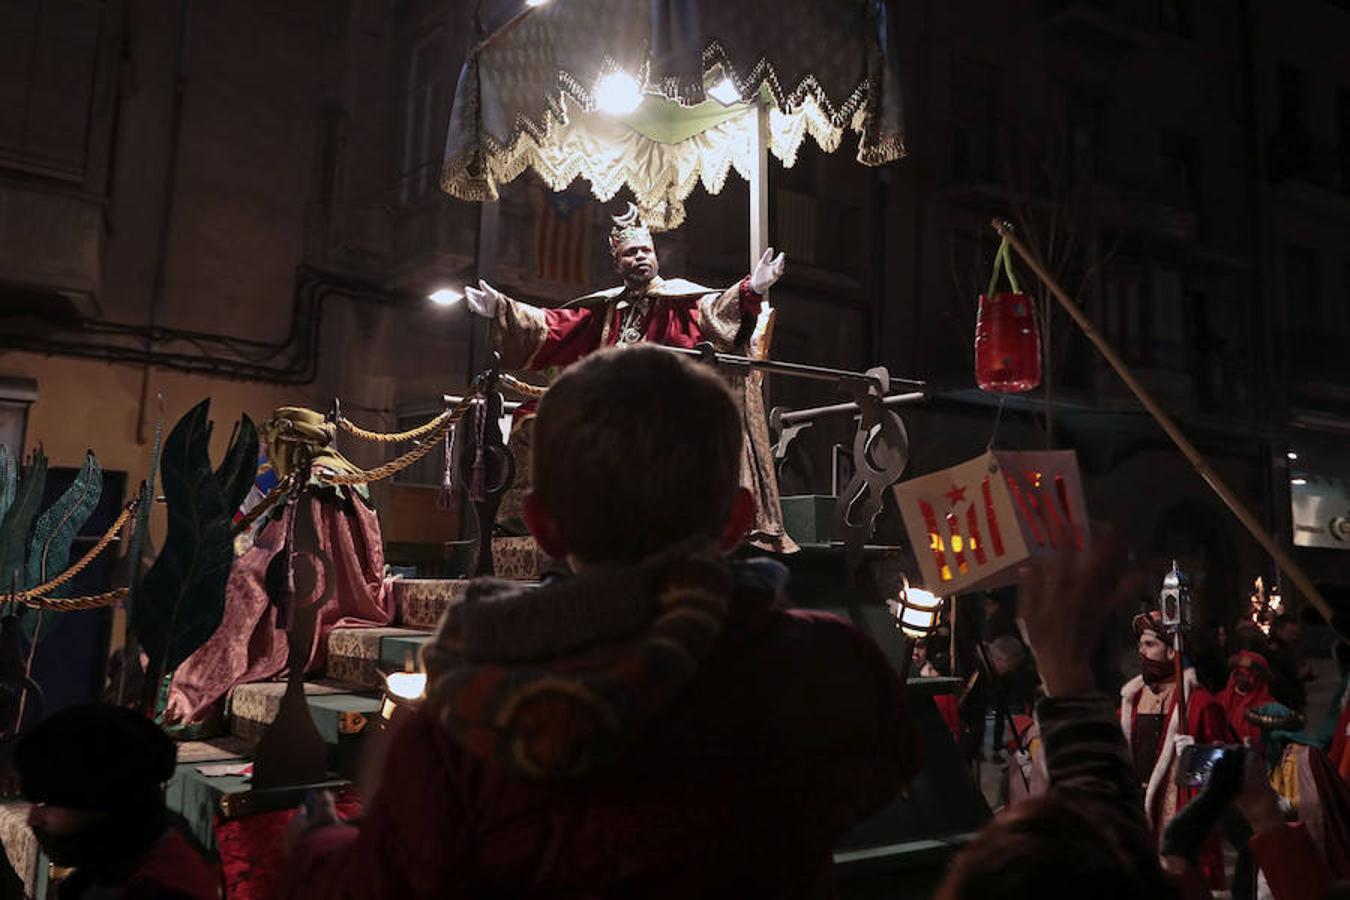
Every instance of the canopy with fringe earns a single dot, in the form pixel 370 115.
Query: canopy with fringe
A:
pixel 526 96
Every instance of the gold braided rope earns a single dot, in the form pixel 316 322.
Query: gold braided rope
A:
pixel 431 431
pixel 36 593
pixel 398 464
pixel 524 388
pixel 398 437
pixel 72 604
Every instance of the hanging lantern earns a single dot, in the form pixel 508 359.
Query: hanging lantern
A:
pixel 1007 337
pixel 917 611
pixel 402 691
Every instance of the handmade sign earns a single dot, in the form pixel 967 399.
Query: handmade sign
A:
pixel 970 525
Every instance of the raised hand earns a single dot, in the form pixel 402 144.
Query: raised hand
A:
pixel 483 300
pixel 1063 604
pixel 767 271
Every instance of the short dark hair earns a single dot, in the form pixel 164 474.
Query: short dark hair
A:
pixel 1056 846
pixel 636 449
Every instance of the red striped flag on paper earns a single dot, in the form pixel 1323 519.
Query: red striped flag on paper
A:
pixel 562 236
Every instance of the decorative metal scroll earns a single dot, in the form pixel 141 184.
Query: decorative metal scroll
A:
pixel 880 455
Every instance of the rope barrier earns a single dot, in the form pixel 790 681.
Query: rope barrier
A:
pixel 398 464
pixel 398 437
pixel 524 388
pixel 36 593
pixel 429 433
pixel 73 604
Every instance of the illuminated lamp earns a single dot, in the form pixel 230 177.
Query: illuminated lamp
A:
pixel 618 93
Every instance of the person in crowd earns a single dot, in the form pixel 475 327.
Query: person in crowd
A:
pixel 1284 851
pixel 1150 721
pixel 1087 835
pixel 95 775
pixel 657 725
pixel 1288 674
pixel 1248 688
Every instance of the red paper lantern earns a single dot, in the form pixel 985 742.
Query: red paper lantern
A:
pixel 1007 337
pixel 1007 344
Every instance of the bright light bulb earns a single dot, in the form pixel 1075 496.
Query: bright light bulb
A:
pixel 618 93
pixel 445 296
pixel 918 612
pixel 1292 455
pixel 724 92
pixel 1298 481
pixel 407 685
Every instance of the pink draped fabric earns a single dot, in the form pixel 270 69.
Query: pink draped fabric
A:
pixel 247 646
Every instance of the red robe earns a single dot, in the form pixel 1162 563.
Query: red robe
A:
pixel 1207 723
pixel 682 314
pixel 1236 703
pixel 248 646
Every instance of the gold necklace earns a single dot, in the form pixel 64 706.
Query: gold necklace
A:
pixel 631 333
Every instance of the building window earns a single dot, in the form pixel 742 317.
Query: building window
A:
pixel 1181 162
pixel 1177 17
pixel 975 118
pixel 425 97
pixel 1086 131
pixel 1343 130
pixel 49 64
pixel 1291 86
pixel 1303 292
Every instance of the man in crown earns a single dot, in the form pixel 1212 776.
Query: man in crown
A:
pixel 647 307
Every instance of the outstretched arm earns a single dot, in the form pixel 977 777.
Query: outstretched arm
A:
pixel 728 320
pixel 532 338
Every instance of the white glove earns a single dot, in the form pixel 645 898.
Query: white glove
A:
pixel 767 271
pixel 483 300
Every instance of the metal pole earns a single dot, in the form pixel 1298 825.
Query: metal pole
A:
pixel 798 370
pixel 796 416
pixel 759 187
pixel 1282 558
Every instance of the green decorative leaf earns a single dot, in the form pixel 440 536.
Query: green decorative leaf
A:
pixel 50 543
pixel 19 519
pixel 9 480
pixel 140 530
pixel 182 599
pixel 239 469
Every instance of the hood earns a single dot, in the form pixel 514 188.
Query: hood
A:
pixel 554 681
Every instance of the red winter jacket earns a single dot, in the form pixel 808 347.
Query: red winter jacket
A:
pixel 726 769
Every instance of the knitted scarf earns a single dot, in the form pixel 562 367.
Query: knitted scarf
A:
pixel 552 682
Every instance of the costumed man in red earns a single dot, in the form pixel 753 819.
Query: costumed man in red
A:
pixel 1248 688
pixel 95 775
pixel 1148 716
pixel 649 308
pixel 658 725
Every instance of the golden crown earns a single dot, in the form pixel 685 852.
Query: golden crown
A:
pixel 628 228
